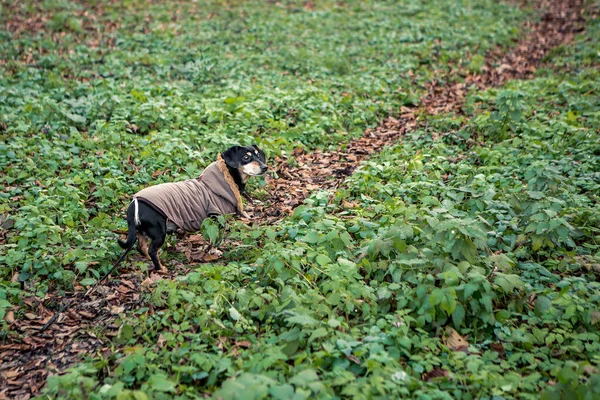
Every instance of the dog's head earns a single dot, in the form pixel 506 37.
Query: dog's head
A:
pixel 248 160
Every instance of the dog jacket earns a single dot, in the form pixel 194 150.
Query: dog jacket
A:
pixel 189 202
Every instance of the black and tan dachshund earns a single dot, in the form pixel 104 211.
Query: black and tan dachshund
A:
pixel 161 209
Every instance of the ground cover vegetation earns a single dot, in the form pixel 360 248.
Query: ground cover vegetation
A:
pixel 485 223
pixel 98 103
pixel 460 263
pixel 496 237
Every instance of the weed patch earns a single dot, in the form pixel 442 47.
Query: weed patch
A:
pixel 462 262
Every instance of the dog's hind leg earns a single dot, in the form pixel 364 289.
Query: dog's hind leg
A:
pixel 143 245
pixel 155 245
pixel 157 234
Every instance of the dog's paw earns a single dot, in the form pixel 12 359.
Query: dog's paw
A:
pixel 215 252
pixel 244 214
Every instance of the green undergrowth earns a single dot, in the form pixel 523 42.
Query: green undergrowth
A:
pixel 99 99
pixel 487 223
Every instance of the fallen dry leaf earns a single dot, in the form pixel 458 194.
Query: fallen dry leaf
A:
pixel 353 358
pixel 349 204
pixel 10 374
pixel 87 314
pixel 195 239
pixel 128 284
pixel 161 341
pixel 498 348
pixel 10 317
pixel 117 309
pixel 454 341
pixel 435 373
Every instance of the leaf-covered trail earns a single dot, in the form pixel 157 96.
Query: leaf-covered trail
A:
pixel 79 330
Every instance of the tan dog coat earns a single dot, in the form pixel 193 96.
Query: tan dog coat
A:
pixel 190 202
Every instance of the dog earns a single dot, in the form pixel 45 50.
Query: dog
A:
pixel 165 208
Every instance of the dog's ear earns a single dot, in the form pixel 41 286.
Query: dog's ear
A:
pixel 232 156
pixel 260 152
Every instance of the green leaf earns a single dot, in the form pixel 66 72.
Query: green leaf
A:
pixel 87 281
pixel 502 316
pixel 301 320
pixel 458 316
pixel 536 195
pixel 508 282
pixel 234 314
pixel 567 375
pixel 81 267
pixel 161 384
pixel 317 333
pixel 126 332
pixel 436 296
pixel 311 237
pixel 78 119
pixel 383 293
pixel 542 305
pixel 271 234
pixel 470 288
pixel 537 242
pixel 304 378
pixel 322 260
pixel 282 392
pixel 210 230
pixel 139 395
pixel 115 389
pixel 448 303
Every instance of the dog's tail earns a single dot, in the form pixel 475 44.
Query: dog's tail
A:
pixel 133 220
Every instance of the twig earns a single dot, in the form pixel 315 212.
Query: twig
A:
pixel 64 305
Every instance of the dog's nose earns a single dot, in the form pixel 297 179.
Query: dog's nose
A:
pixel 263 169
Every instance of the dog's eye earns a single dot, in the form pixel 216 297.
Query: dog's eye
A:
pixel 246 158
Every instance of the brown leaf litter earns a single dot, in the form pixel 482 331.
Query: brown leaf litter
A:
pixel 29 354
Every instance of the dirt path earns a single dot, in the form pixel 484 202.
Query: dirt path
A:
pixel 29 357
